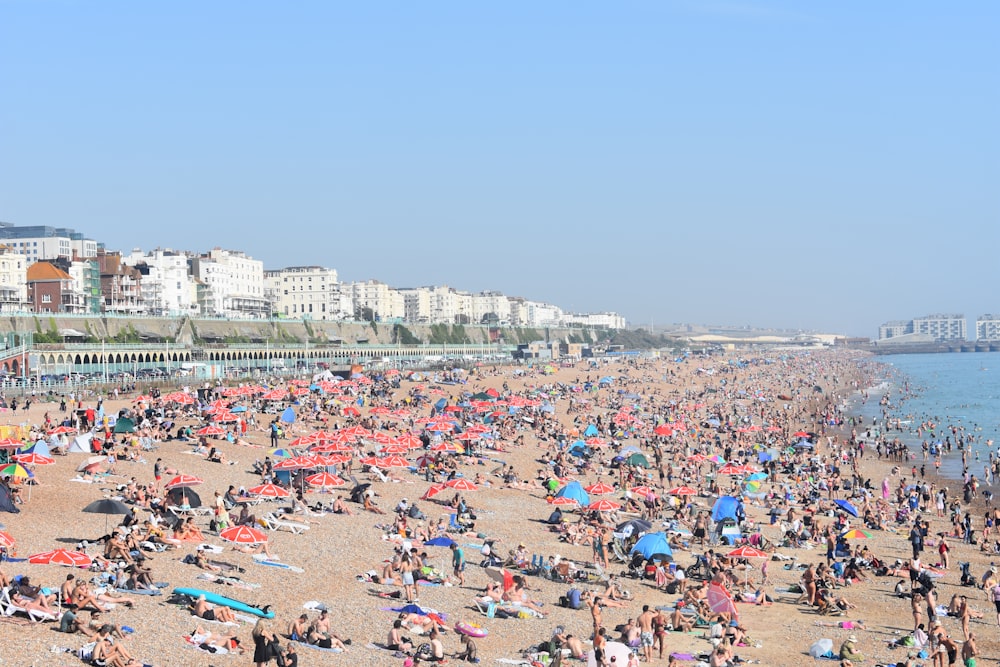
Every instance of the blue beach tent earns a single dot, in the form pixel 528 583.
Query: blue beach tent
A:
pixel 727 507
pixel 652 544
pixel 575 491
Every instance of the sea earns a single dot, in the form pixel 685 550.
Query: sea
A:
pixel 960 390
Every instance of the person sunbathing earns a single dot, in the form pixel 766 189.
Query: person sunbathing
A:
pixel 259 548
pixel 370 505
pixel 681 622
pixel 201 636
pixel 395 641
pixel 340 507
pixel 110 654
pixel 202 609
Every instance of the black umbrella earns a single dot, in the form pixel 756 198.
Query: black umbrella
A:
pixel 107 506
pixel 357 491
pixel 181 495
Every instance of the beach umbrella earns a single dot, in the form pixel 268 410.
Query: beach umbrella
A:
pixel 184 496
pixel 324 480
pixel 210 431
pixel 281 453
pixel 15 470
pixel 297 463
pixel 6 540
pixel 183 481
pixel 846 506
pixel 747 551
pixel 600 489
pixel 683 491
pixel 243 535
pixel 800 434
pixel 563 500
pixel 392 462
pixel 10 443
pixel 433 491
pixel 603 506
pixel 633 527
pixel 61 557
pixel 730 469
pixel 720 601
pixel 616 650
pixel 697 458
pixel 856 534
pixel 461 484
pixel 60 430
pixel 91 463
pixel 663 429
pixel 33 459
pixel 641 491
pixel 269 491
pixel 107 507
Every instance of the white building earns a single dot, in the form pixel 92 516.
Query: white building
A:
pixel 895 329
pixel 384 302
pixel 167 286
pixel 490 308
pixel 308 292
pixel 13 280
pixel 988 327
pixel 230 284
pixel 416 304
pixel 609 320
pixel 941 327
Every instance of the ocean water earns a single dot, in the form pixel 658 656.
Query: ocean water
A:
pixel 960 390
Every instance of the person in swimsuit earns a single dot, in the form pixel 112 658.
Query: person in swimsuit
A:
pixel 202 609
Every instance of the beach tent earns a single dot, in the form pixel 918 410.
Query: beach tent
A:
pixel 124 425
pixel 727 507
pixel 653 544
pixel 288 416
pixel 6 503
pixel 80 444
pixel 633 527
pixel 41 448
pixel 575 491
pixel 591 430
pixel 638 459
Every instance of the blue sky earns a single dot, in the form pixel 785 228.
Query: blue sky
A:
pixel 794 164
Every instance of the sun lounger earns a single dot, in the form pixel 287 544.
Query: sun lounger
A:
pixel 9 608
pixel 272 522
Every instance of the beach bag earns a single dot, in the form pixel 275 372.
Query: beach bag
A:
pixel 86 652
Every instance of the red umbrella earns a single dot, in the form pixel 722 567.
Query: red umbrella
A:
pixel 243 535
pixel 460 484
pixel 33 459
pixel 433 491
pixel 61 557
pixel 663 429
pixel 603 506
pixel 641 491
pixel 800 434
pixel 683 491
pixel 10 443
pixel 392 462
pixel 730 469
pixel 746 551
pixel 324 480
pixel 600 489
pixel 59 430
pixel 6 540
pixel 269 491
pixel 182 481
pixel 210 431
pixel 563 500
pixel 297 463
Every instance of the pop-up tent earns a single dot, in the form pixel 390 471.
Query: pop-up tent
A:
pixel 124 425
pixel 728 507
pixel 653 544
pixel 80 444
pixel 575 491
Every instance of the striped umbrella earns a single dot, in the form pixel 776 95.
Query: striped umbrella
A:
pixel 461 484
pixel 269 491
pixel 61 557
pixel 603 506
pixel 243 535
pixel 324 480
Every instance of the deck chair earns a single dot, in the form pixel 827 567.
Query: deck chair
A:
pixel 377 473
pixel 272 522
pixel 10 608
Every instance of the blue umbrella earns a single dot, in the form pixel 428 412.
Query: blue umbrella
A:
pixel 440 542
pixel 846 506
pixel 652 544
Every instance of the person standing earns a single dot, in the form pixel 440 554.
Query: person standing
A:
pixel 458 563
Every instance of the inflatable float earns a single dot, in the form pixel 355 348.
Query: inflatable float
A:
pixel 215 598
pixel 470 629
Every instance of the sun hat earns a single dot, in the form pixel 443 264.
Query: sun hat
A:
pixel 852 639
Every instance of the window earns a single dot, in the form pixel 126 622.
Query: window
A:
pixel 46 298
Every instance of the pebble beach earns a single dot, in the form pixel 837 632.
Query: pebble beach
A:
pixel 708 403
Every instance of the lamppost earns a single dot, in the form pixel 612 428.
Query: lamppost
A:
pixel 267 353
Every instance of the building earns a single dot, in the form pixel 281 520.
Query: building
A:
pixel 307 292
pixel 121 285
pixel 230 284
pixel 607 320
pixel 941 327
pixel 376 301
pixel 894 329
pixel 491 308
pixel 13 280
pixel 167 287
pixel 41 242
pixel 988 327
pixel 52 290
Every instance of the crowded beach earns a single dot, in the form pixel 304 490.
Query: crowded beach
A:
pixel 702 510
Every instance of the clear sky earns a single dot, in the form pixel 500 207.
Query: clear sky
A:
pixel 823 165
